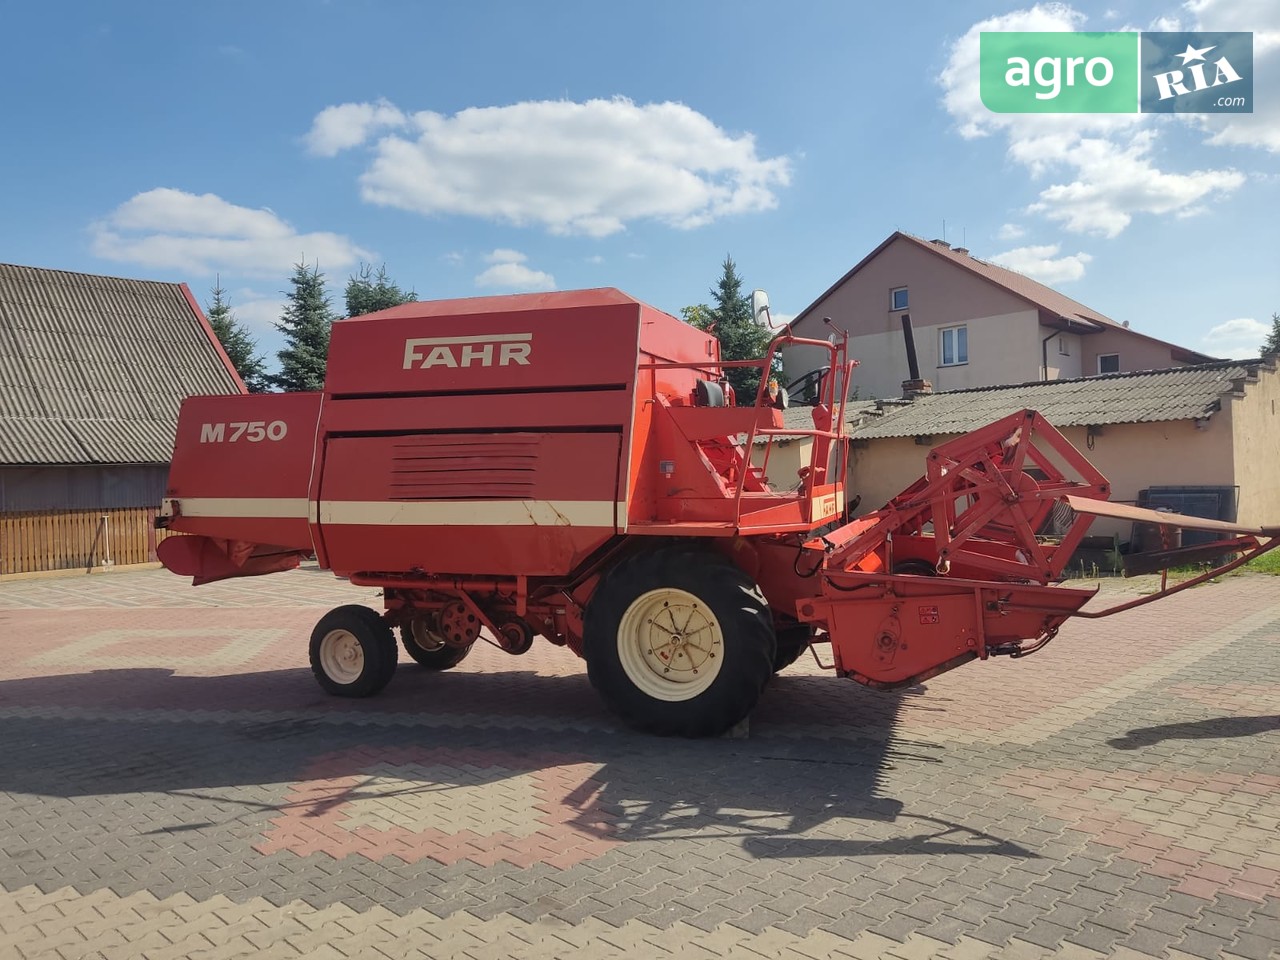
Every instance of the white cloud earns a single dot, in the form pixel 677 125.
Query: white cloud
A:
pixel 1107 159
pixel 1261 17
pixel 1043 263
pixel 348 125
pixel 205 214
pixel 453 258
pixel 595 258
pixel 1117 180
pixel 171 229
pixel 258 311
pixel 503 255
pixel 1011 231
pixel 1239 339
pixel 509 272
pixel 573 168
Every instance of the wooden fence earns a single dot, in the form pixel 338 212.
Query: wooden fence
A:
pixel 40 540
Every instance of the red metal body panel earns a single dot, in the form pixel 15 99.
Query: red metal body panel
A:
pixel 506 345
pixel 500 504
pixel 526 402
pixel 241 466
pixel 587 409
pixel 892 631
pixel 663 340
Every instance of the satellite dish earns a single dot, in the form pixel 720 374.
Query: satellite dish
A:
pixel 760 310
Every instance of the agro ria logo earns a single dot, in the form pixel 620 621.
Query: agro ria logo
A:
pixel 1116 72
pixel 1197 73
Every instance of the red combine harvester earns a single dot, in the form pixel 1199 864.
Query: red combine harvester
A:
pixel 571 465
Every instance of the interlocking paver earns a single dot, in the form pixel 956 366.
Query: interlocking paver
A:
pixel 174 782
pixel 1252 947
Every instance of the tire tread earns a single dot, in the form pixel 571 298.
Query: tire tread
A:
pixel 745 621
pixel 375 637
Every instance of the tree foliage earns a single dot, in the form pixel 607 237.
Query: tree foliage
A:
pixel 699 315
pixel 241 348
pixel 728 318
pixel 370 291
pixel 1272 344
pixel 305 323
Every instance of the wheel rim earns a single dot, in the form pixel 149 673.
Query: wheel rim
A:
pixel 341 656
pixel 424 638
pixel 670 644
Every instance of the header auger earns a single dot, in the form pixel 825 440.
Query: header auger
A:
pixel 566 465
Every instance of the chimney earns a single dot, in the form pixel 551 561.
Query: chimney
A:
pixel 913 387
pixel 942 243
pixel 916 388
pixel 961 250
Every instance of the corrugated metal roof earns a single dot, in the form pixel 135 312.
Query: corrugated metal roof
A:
pixel 93 369
pixel 801 418
pixel 1182 393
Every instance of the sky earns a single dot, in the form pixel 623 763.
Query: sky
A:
pixel 487 148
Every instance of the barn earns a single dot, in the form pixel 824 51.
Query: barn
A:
pixel 92 372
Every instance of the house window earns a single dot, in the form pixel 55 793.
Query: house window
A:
pixel 953 346
pixel 1108 363
pixel 1063 350
pixel 898 298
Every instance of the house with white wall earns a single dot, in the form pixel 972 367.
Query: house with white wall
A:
pixel 975 324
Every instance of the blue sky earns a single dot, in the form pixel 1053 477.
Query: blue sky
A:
pixel 499 147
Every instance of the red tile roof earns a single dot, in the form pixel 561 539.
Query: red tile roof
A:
pixel 1059 305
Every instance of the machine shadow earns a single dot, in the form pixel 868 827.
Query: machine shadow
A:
pixel 1215 728
pixel 782 790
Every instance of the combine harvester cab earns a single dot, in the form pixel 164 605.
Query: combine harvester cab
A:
pixel 572 465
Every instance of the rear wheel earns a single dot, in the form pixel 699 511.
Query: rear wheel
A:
pixel 679 642
pixel 422 640
pixel 353 652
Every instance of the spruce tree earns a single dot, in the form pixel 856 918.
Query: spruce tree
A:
pixel 740 337
pixel 1271 345
pixel 371 291
pixel 241 348
pixel 305 323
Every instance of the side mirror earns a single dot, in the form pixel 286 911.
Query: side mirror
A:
pixel 760 309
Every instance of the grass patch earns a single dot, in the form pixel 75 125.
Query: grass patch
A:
pixel 1267 563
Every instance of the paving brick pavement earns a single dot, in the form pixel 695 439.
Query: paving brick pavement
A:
pixel 174 784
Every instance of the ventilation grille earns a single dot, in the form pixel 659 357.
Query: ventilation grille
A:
pixel 465 466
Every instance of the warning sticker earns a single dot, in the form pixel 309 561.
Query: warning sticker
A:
pixel 928 614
